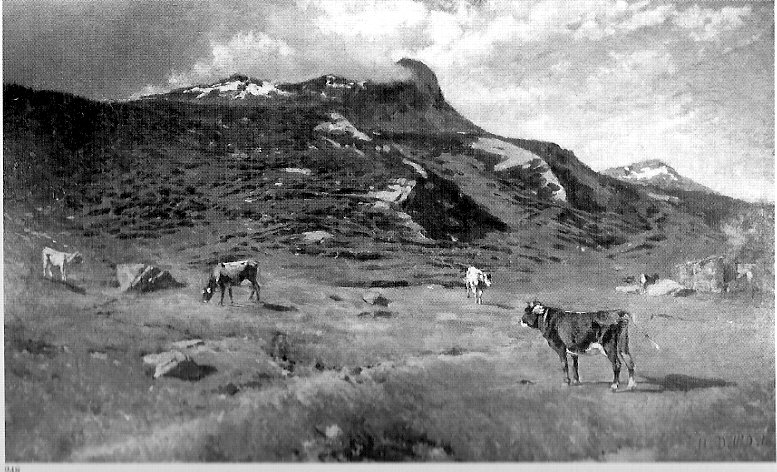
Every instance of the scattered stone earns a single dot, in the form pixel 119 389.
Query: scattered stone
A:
pixel 628 288
pixel 333 431
pixel 373 297
pixel 705 275
pixel 382 314
pixel 99 355
pixel 144 278
pixel 684 292
pixel 336 298
pixel 187 343
pixel 297 170
pixel 174 364
pixel 315 237
pixel 663 287
pixel 228 389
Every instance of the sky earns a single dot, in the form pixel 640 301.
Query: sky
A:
pixel 615 81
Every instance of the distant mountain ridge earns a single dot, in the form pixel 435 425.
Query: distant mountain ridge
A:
pixel 656 173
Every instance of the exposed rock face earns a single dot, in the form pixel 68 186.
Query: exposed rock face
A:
pixel 531 168
pixel 705 275
pixel 144 278
pixel 338 125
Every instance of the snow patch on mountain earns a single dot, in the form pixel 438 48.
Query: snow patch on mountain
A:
pixel 339 125
pixel 397 191
pixel 238 89
pixel 647 172
pixel 514 156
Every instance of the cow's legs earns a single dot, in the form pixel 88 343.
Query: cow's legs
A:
pixel 469 289
pixel 221 302
pixel 575 373
pixel 562 354
pixel 612 355
pixel 231 301
pixel 255 289
pixel 478 296
pixel 64 273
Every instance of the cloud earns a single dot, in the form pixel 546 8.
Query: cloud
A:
pixel 707 24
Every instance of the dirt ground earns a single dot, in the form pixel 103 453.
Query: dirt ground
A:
pixel 314 373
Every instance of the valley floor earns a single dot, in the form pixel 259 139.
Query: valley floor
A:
pixel 432 376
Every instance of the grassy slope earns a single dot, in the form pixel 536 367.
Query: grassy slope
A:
pixel 440 377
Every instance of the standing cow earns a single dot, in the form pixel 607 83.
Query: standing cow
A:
pixel 476 281
pixel 227 274
pixel 53 258
pixel 575 332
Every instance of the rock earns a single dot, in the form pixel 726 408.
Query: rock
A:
pixel 187 343
pixel 333 431
pixel 144 278
pixel 164 362
pixel 705 275
pixel 684 292
pixel 663 287
pixel 373 297
pixel 315 237
pixel 176 364
pixel 628 289
pixel 99 355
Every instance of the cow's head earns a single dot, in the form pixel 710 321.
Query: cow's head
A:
pixel 208 291
pixel 485 278
pixel 76 258
pixel 532 313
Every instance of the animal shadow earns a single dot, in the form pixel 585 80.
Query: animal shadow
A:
pixel 503 306
pixel 685 383
pixel 69 285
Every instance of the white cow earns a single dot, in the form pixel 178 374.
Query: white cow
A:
pixel 59 259
pixel 476 281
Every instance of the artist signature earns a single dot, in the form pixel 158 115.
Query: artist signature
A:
pixel 734 441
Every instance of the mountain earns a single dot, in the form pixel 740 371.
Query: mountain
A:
pixel 392 161
pixel 657 174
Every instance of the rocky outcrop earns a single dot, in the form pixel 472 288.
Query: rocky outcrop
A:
pixel 530 168
pixel 705 275
pixel 144 278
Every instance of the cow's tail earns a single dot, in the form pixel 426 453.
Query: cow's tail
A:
pixel 629 317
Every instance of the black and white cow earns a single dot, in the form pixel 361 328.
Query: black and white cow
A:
pixel 227 274
pixel 575 333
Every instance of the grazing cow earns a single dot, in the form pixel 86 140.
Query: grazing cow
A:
pixel 574 333
pixel 476 281
pixel 645 280
pixel 227 274
pixel 53 258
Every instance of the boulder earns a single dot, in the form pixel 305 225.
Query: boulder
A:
pixel 663 287
pixel 374 297
pixel 705 275
pixel 173 363
pixel 144 278
pixel 315 237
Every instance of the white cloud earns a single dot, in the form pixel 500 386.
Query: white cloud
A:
pixel 707 24
pixel 242 52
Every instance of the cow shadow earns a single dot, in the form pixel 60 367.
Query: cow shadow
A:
pixel 682 383
pixel 68 285
pixel 503 306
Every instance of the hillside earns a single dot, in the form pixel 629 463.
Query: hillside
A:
pixel 341 190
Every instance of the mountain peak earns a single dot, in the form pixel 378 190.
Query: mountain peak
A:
pixel 424 78
pixel 657 173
